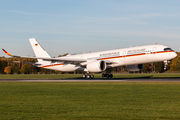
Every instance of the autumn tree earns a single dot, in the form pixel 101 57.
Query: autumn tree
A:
pixel 23 69
pixel 15 68
pixel 7 70
pixel 175 64
pixel 63 55
pixel 3 64
pixel 147 68
pixel 159 67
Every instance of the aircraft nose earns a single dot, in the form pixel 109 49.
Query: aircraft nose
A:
pixel 174 54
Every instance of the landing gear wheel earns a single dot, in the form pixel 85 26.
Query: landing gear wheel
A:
pixel 84 76
pixel 103 75
pixel 88 76
pixel 92 76
pixel 107 75
pixel 111 75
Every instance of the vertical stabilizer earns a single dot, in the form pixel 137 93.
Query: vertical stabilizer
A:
pixel 39 51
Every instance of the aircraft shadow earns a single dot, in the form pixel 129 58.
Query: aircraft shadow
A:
pixel 124 78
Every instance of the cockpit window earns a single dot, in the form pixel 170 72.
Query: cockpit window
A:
pixel 167 49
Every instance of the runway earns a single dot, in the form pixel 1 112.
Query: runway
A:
pixel 95 80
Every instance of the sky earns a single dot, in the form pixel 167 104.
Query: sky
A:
pixel 82 26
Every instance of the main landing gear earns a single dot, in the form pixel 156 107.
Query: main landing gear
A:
pixel 88 76
pixel 91 76
pixel 107 75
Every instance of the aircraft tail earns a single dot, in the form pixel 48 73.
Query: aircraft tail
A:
pixel 39 51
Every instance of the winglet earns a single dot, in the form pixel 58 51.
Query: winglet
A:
pixel 6 52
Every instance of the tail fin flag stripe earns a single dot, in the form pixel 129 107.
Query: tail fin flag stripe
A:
pixel 6 52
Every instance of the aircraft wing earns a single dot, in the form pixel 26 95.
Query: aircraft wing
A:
pixel 59 59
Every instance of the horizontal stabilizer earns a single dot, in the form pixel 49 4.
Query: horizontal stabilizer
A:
pixel 35 64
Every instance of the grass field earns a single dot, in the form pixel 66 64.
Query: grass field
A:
pixel 77 76
pixel 86 101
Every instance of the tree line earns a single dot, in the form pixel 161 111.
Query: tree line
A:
pixel 7 66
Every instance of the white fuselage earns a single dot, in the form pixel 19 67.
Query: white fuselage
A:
pixel 117 57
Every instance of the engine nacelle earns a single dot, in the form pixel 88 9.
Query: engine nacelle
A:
pixel 137 67
pixel 96 66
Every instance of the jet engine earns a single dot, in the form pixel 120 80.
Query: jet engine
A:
pixel 136 67
pixel 96 66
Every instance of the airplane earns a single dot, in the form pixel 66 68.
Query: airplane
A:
pixel 131 58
